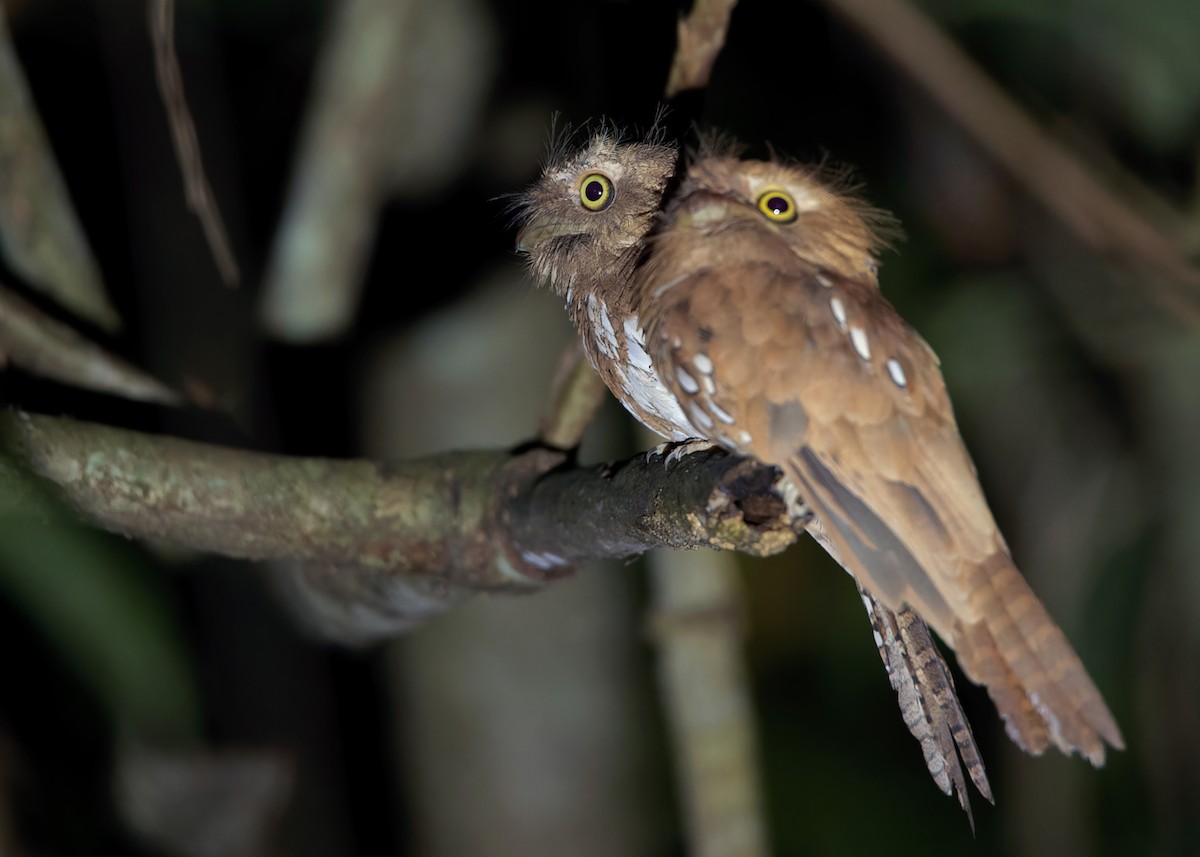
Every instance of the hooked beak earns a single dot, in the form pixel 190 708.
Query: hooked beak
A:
pixel 539 231
pixel 702 207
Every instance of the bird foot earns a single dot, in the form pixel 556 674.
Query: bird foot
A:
pixel 679 449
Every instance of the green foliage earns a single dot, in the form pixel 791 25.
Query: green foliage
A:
pixel 97 603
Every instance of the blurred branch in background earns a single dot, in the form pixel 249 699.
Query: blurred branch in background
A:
pixel 379 122
pixel 697 626
pixel 576 394
pixel 40 234
pixel 699 39
pixel 313 280
pixel 43 346
pixel 199 193
pixel 1048 171
pixel 221 804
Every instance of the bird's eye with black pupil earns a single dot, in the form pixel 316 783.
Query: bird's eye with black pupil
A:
pixel 595 192
pixel 777 205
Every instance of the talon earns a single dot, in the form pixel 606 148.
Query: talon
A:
pixel 687 447
pixel 659 450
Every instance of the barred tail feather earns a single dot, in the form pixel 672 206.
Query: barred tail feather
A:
pixel 928 702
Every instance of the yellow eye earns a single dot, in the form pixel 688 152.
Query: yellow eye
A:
pixel 777 205
pixel 595 192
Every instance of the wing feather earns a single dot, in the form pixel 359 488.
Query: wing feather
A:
pixel 819 375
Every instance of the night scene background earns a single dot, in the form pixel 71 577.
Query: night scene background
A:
pixel 534 725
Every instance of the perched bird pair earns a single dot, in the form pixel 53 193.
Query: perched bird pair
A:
pixel 745 310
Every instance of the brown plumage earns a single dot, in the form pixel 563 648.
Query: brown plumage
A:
pixel 928 702
pixel 764 319
pixel 589 255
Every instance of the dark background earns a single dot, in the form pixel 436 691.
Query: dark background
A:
pixel 1076 392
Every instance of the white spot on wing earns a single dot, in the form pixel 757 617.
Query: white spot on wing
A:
pixel 825 281
pixel 686 381
pixel 839 311
pixel 858 337
pixel 703 364
pixel 721 414
pixel 708 384
pixel 897 372
pixel 699 417
pixel 744 438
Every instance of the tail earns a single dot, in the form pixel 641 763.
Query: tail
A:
pixel 1034 677
pixel 928 702
pixel 1003 636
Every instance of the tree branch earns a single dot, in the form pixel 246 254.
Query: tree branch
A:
pixel 200 197
pixel 405 539
pixel 701 35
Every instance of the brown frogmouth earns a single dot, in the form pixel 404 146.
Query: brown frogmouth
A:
pixel 753 319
